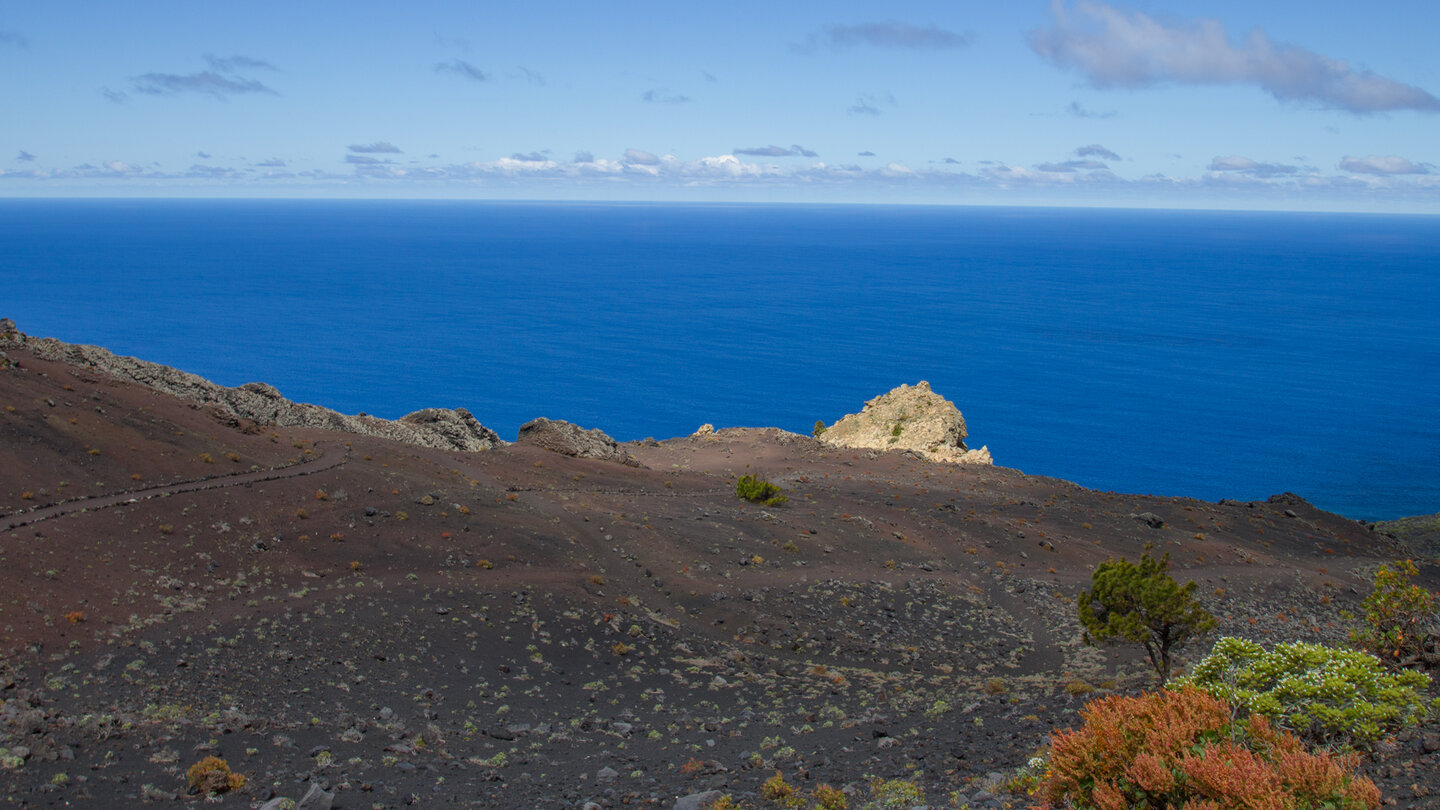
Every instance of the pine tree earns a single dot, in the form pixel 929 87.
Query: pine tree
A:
pixel 1142 604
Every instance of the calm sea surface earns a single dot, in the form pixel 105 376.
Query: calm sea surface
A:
pixel 1179 353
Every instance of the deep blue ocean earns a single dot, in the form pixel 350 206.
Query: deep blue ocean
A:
pixel 1214 355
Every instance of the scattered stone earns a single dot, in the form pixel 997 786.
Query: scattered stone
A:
pixel 697 801
pixel 315 799
pixel 1150 519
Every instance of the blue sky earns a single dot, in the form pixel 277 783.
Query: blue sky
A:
pixel 1291 105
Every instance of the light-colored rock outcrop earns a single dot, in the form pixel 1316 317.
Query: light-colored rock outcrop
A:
pixel 908 418
pixel 262 404
pixel 569 439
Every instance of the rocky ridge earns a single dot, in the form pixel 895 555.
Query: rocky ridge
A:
pixel 261 404
pixel 908 418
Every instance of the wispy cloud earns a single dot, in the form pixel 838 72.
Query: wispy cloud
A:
pixel 584 157
pixel 365 160
pixel 230 64
pixel 533 157
pixel 25 157
pixel 641 157
pixel 463 69
pixel 1386 165
pixel 272 163
pixel 206 82
pixel 378 147
pixel 888 34
pixel 870 104
pixel 1072 166
pixel 13 38
pixel 1079 110
pixel 777 151
pixel 662 95
pixel 214 172
pixel 220 82
pixel 866 153
pixel 1244 165
pixel 522 72
pixel 1096 150
pixel 1113 47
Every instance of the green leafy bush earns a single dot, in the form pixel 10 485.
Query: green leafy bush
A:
pixel 1141 603
pixel 1184 749
pixel 1400 618
pixel 1325 694
pixel 755 490
pixel 894 794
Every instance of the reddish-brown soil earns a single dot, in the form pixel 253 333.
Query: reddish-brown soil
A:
pixel 518 628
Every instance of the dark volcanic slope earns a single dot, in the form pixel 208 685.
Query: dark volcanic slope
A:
pixel 518 628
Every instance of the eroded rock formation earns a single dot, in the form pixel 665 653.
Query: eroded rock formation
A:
pixel 908 418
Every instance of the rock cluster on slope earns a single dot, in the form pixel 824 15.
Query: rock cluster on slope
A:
pixel 440 428
pixel 569 439
pixel 908 418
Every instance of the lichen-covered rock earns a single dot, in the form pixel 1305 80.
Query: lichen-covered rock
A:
pixel 908 418
pixel 442 429
pixel 572 440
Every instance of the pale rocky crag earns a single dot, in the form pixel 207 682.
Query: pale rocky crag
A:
pixel 910 418
pixel 261 404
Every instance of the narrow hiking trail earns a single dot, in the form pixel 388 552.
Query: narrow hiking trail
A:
pixel 326 461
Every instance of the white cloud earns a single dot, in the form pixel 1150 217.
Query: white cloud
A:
pixel 795 150
pixel 1244 165
pixel 1118 48
pixel 641 158
pixel 1096 150
pixel 378 147
pixel 1387 165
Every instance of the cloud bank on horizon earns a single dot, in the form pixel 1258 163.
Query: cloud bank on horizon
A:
pixel 1042 102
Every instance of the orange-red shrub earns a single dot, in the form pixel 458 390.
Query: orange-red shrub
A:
pixel 1183 749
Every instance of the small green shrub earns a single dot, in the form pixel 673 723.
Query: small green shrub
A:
pixel 894 794
pixel 1400 618
pixel 819 428
pixel 1324 694
pixel 755 490
pixel 779 793
pixel 829 798
pixel 1184 749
